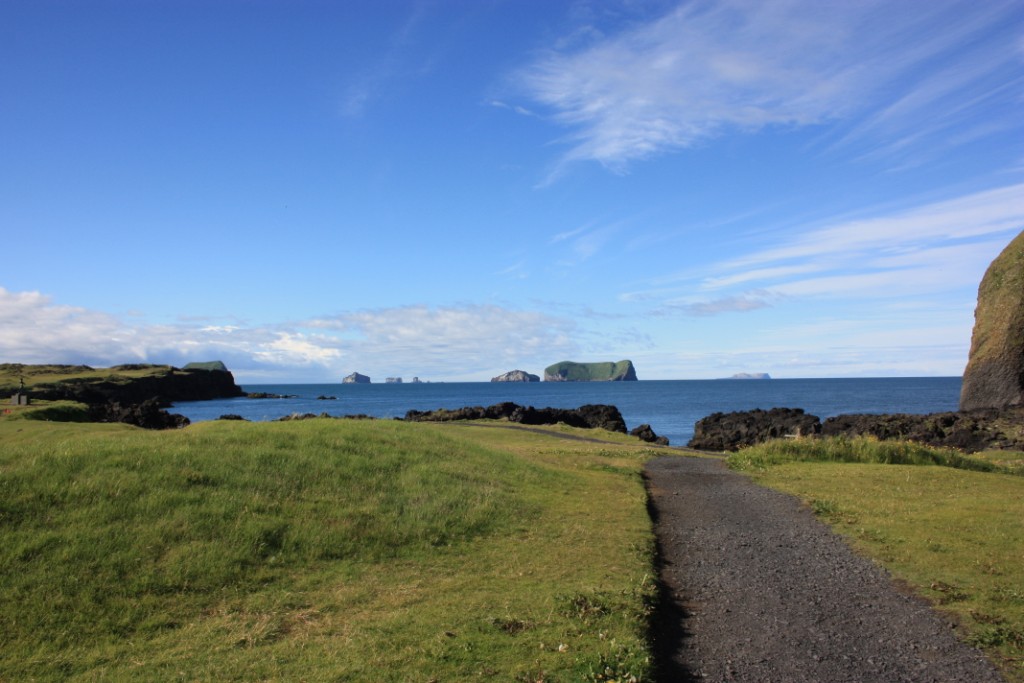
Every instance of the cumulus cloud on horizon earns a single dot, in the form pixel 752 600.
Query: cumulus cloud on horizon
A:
pixel 441 343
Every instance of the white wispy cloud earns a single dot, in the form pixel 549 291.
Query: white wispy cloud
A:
pixel 926 249
pixel 713 66
pixel 585 241
pixel 368 85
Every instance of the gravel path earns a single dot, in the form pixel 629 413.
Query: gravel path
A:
pixel 756 589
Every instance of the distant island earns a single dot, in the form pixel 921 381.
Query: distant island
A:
pixel 516 376
pixel 356 378
pixel 571 371
pixel 750 375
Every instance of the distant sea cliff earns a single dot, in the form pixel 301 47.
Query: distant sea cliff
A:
pixel 571 371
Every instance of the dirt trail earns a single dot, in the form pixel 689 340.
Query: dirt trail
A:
pixel 757 589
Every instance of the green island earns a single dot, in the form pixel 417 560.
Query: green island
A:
pixel 570 371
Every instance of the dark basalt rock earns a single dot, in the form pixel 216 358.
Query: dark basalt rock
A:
pixel 147 414
pixel 969 431
pixel 592 416
pixel 732 431
pixel 645 433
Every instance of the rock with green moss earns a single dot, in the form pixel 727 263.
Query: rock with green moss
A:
pixel 570 371
pixel 994 377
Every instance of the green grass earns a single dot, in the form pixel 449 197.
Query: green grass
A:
pixel 941 523
pixel 321 550
pixel 12 374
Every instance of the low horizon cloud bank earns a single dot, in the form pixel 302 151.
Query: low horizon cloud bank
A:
pixel 437 343
pixel 464 343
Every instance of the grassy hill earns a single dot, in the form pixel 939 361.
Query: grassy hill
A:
pixel 321 550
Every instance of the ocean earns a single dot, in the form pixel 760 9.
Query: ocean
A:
pixel 671 407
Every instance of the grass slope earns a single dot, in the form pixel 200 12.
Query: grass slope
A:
pixel 936 519
pixel 321 550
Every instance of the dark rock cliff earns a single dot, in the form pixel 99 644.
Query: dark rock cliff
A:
pixel 587 417
pixel 164 386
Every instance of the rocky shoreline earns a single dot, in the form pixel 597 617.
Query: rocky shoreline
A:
pixel 970 431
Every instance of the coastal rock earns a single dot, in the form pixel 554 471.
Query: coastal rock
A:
pixel 646 434
pixel 591 416
pixel 392 380
pixel 750 375
pixel 356 378
pixel 147 414
pixel 994 377
pixel 969 431
pixel 732 431
pixel 571 371
pixel 516 376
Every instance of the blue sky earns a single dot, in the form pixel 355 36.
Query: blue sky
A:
pixel 458 188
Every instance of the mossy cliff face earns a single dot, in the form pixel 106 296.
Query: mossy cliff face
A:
pixel 568 371
pixel 994 377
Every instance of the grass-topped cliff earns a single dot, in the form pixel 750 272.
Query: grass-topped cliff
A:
pixel 570 371
pixel 132 383
pixel 994 377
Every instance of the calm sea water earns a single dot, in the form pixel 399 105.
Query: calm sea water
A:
pixel 671 407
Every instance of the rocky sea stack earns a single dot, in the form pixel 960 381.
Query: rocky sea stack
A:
pixel 356 378
pixel 516 376
pixel 994 377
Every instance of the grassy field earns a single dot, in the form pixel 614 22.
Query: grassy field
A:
pixel 950 526
pixel 321 550
pixel 11 374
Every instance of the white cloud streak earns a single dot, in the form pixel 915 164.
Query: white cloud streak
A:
pixel 712 66
pixel 925 250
